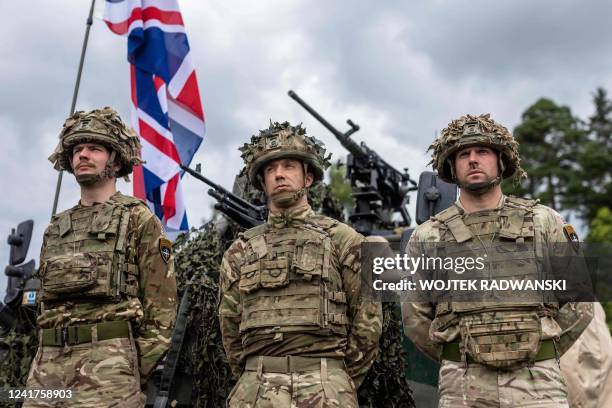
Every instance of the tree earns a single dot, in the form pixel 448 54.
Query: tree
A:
pixel 596 160
pixel 550 137
pixel 600 230
pixel 340 186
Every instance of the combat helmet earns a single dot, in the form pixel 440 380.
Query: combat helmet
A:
pixel 478 130
pixel 103 126
pixel 283 141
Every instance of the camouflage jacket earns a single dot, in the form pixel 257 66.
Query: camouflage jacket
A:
pixel 570 322
pixel 152 310
pixel 358 346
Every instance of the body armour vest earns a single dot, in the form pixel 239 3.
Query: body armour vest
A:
pixel 88 253
pixel 499 329
pixel 289 281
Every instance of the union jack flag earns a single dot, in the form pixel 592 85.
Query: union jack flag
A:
pixel 166 108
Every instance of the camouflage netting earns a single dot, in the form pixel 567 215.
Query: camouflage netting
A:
pixel 281 140
pixel 203 359
pixel 17 348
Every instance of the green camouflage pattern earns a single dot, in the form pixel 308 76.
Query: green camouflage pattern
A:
pixel 477 386
pixel 151 314
pixel 100 374
pixel 203 362
pixel 281 140
pixel 498 338
pixel 310 389
pixel 358 349
pixel 571 321
pixel 86 248
pixel 587 365
pixel 102 126
pixel 478 130
pixel 17 348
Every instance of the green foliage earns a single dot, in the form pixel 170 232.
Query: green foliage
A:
pixel 340 186
pixel 596 159
pixel 386 384
pixel 600 231
pixel 202 362
pixel 568 161
pixel 549 137
pixel 601 227
pixel 16 352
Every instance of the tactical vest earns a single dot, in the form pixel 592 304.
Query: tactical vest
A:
pixel 496 330
pixel 289 281
pixel 88 253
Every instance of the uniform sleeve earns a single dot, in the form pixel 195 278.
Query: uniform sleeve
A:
pixel 42 263
pixel 573 317
pixel 365 315
pixel 229 306
pixel 417 317
pixel 158 289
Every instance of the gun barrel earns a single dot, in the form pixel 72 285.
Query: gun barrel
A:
pixel 344 138
pixel 314 113
pixel 220 190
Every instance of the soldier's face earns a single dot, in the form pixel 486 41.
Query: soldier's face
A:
pixel 285 175
pixel 89 158
pixel 476 164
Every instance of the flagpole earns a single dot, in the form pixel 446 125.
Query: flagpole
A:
pixel 74 95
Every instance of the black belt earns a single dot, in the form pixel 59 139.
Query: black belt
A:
pixel 72 335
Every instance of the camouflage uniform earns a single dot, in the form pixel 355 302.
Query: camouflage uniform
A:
pixel 587 365
pixel 295 328
pixel 504 369
pixel 108 297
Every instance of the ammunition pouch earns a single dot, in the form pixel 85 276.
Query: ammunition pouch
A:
pixel 505 340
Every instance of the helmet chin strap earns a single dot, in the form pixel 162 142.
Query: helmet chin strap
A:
pixel 286 199
pixel 482 187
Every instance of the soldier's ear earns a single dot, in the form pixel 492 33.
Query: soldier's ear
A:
pixel 309 179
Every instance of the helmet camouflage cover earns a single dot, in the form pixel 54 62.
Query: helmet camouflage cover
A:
pixel 103 126
pixel 283 141
pixel 478 130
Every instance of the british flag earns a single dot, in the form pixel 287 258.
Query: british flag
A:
pixel 166 107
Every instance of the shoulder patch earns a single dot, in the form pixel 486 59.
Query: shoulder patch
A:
pixel 165 249
pixel 570 233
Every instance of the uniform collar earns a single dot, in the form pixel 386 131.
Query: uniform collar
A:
pixel 500 204
pixel 111 198
pixel 289 217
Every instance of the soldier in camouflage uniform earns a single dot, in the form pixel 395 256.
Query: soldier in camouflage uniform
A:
pixel 492 354
pixel 295 327
pixel 108 296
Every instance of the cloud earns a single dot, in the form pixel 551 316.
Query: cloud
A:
pixel 401 70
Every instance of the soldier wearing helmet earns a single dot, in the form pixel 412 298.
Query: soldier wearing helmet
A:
pixel 495 350
pixel 294 324
pixel 107 301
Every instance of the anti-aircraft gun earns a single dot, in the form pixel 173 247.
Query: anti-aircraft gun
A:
pixel 379 190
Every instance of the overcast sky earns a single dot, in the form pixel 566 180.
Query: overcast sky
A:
pixel 400 69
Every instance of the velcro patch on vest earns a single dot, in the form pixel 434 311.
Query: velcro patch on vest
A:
pixel 165 249
pixel 571 235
